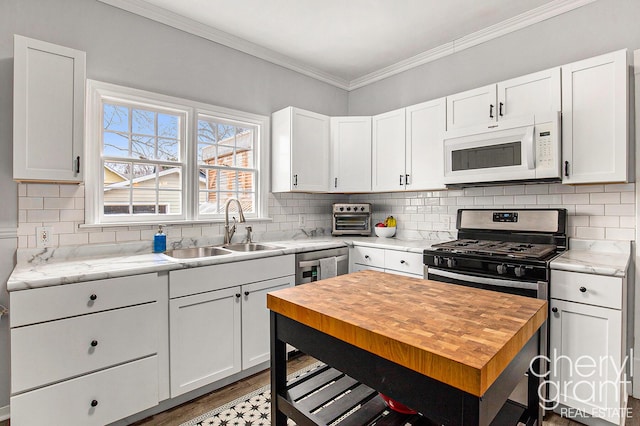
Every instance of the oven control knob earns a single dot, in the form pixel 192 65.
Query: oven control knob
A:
pixel 341 209
pixel 519 270
pixel 361 209
pixel 437 261
pixel 502 269
pixel 451 263
pixel 348 208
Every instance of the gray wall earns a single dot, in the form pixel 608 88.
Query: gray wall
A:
pixel 599 27
pixel 126 49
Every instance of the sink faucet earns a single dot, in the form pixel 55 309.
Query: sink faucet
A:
pixel 229 231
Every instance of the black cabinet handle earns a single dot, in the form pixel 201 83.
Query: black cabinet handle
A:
pixel 246 293
pixel 490 110
pixel 94 402
pixel 403 262
pixel 583 289
pixel 554 309
pixel 406 179
pixel 78 164
pixel 238 295
pixel 335 183
pixel 295 180
pixel 500 109
pixel 93 297
pixel 94 343
pixel 401 180
pixel 366 256
pixel 566 169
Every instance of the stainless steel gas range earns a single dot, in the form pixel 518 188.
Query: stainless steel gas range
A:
pixel 505 250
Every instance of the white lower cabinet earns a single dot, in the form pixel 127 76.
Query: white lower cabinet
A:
pixel 92 359
pixel 221 326
pixel 386 260
pixel 588 345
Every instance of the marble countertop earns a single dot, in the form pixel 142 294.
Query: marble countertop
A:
pixel 43 271
pixel 609 258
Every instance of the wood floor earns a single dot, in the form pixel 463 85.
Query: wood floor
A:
pixel 192 409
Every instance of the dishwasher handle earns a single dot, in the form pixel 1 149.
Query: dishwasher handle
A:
pixel 309 263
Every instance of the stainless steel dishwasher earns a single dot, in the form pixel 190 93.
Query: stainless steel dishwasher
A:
pixel 308 268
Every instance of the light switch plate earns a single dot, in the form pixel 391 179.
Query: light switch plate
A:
pixel 43 236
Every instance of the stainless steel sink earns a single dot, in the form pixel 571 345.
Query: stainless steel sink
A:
pixel 250 247
pixel 192 253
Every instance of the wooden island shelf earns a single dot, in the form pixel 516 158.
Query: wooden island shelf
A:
pixel 451 352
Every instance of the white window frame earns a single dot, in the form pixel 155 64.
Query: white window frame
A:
pixel 99 92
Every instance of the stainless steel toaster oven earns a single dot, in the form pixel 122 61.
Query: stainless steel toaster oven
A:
pixel 351 219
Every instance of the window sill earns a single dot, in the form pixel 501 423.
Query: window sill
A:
pixel 155 224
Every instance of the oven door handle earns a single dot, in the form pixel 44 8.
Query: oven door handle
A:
pixel 483 280
pixel 309 263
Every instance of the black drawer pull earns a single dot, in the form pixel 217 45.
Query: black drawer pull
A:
pixel 93 297
pixel 246 293
pixel 554 309
pixel 94 402
pixel 583 289
pixel 403 262
pixel 94 343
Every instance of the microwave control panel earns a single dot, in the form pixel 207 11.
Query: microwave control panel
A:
pixel 545 149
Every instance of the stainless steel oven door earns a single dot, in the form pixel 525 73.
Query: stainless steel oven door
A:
pixel 351 224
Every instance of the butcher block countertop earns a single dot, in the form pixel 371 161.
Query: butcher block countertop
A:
pixel 461 336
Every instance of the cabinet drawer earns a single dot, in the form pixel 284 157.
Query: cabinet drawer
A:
pixel 403 261
pixel 215 277
pixel 356 267
pixel 56 350
pixel 119 392
pixel 596 290
pixel 368 256
pixel 61 301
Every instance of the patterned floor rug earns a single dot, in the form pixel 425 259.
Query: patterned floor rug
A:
pixel 253 409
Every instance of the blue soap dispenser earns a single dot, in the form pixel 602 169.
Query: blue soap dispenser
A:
pixel 159 241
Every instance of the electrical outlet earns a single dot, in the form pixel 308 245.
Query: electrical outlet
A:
pixel 301 220
pixel 43 236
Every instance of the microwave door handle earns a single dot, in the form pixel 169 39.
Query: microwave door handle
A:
pixel 530 148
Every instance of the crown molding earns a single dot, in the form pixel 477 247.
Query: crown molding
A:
pixel 531 17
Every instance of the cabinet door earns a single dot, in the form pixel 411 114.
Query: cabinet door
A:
pixel 594 119
pixel 255 319
pixel 350 154
pixel 424 145
pixel 310 151
pixel 48 111
pixel 473 107
pixel 532 94
pixel 204 333
pixel 586 356
pixel 388 151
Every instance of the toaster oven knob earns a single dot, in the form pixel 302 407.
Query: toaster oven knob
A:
pixel 361 209
pixel 348 208
pixel 437 261
pixel 451 263
pixel 519 270
pixel 341 209
pixel 502 269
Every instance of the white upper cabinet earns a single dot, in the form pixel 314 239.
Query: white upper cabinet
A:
pixel 470 108
pixel 300 151
pixel 388 151
pixel 527 95
pixel 537 93
pixel 424 161
pixel 48 111
pixel 350 154
pixel 595 119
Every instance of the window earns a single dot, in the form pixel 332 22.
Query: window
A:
pixel 159 159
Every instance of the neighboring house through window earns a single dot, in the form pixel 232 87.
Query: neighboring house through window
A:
pixel 154 158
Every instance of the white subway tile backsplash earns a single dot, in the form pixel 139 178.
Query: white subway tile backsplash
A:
pixel 604 198
pixel 604 221
pixel 589 209
pixel 549 199
pixel 620 209
pixel 561 189
pixel 43 215
pixel 74 239
pixel 589 233
pixel 625 234
pixel 537 189
pixel 72 191
pixel 514 190
pixel 580 189
pixel 60 203
pixel 127 236
pixel 71 215
pixel 30 203
pixel 620 187
pixel 525 199
pixel 503 199
pixel 42 190
pixel 105 237
pixel 575 199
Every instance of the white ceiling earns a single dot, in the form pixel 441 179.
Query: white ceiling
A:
pixel 349 43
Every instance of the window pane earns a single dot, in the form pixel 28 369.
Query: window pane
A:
pixel 115 118
pixel 168 149
pixel 168 126
pixel 206 132
pixel 244 148
pixel 246 181
pixel 115 172
pixel 116 144
pixel 227 180
pixel 144 175
pixel 247 200
pixel 170 178
pixel 143 122
pixel 144 201
pixel 208 203
pixel 207 153
pixel 143 147
pixel 208 179
pixel 226 134
pixel 170 202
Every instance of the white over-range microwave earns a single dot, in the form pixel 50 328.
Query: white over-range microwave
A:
pixel 523 150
